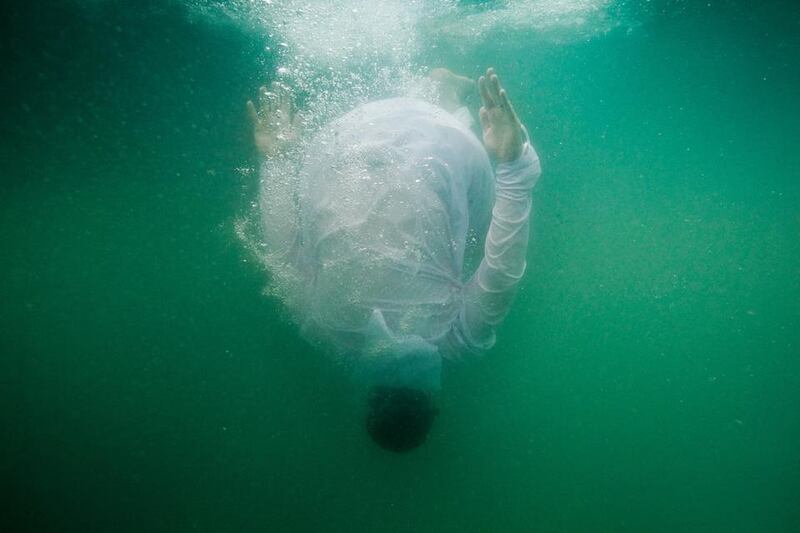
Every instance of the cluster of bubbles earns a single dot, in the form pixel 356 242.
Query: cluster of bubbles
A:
pixel 555 20
pixel 338 53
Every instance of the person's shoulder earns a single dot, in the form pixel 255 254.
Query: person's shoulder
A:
pixel 402 104
pixel 400 111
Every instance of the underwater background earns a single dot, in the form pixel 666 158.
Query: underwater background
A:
pixel 646 380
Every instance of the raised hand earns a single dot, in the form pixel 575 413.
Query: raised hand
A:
pixel 275 125
pixel 502 130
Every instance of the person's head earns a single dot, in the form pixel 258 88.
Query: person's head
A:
pixel 399 418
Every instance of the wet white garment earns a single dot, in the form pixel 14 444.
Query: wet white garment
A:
pixel 385 201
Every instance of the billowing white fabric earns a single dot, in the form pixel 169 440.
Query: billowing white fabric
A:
pixel 386 199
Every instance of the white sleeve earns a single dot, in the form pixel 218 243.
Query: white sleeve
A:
pixel 278 206
pixel 490 291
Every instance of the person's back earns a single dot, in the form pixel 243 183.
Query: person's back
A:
pixel 387 198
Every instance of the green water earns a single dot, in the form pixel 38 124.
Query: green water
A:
pixel 647 379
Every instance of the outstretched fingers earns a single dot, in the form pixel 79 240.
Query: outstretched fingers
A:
pixel 283 100
pixel 274 104
pixel 502 130
pixel 494 86
pixel 486 95
pixel 492 92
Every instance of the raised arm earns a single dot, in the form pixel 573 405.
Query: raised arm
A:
pixel 488 295
pixel 275 130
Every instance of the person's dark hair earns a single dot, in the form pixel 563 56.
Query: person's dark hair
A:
pixel 399 418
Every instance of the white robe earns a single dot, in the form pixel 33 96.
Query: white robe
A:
pixel 385 201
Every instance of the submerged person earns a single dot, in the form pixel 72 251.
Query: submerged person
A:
pixel 366 226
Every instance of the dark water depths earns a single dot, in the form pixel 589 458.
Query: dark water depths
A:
pixel 648 378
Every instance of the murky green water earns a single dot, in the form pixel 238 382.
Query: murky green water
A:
pixel 648 378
